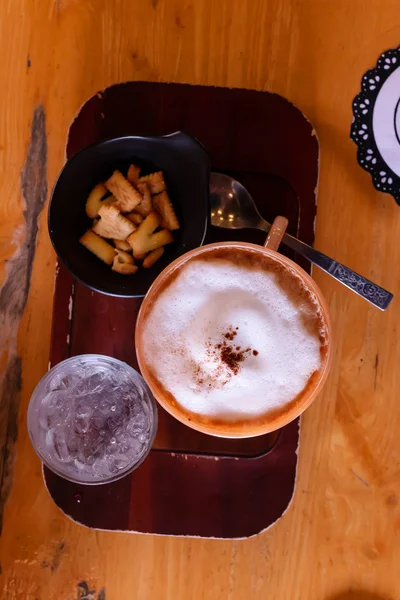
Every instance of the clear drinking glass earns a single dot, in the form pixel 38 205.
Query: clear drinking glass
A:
pixel 92 419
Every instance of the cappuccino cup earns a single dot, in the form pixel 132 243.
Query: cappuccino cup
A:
pixel 234 339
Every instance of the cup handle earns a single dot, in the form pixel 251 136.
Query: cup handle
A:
pixel 276 233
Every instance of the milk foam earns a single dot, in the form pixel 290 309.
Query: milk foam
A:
pixel 205 300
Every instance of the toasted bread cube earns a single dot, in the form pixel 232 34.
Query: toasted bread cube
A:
pixel 139 240
pixel 158 239
pixel 124 268
pixel 164 207
pixel 98 246
pixel 153 257
pixel 107 201
pixel 127 196
pixel 93 203
pixel 145 244
pixel 122 245
pixel 134 217
pixel 123 263
pixel 145 229
pixel 133 174
pixel 124 257
pixel 146 206
pixel 141 256
pixel 151 222
pixel 156 182
pixel 112 224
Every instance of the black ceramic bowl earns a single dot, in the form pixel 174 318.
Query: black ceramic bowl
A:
pixel 186 168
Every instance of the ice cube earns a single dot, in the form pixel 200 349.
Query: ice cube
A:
pixel 49 439
pixel 96 380
pixel 44 409
pixel 80 465
pixel 98 420
pixel 71 379
pixel 55 382
pixel 114 422
pixel 80 389
pixel 54 409
pixel 142 437
pixel 61 449
pixel 136 425
pixel 104 406
pixel 118 463
pixel 82 419
pixel 82 424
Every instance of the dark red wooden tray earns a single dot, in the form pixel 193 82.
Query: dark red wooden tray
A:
pixel 191 484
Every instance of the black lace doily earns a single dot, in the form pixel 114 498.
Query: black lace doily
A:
pixel 376 124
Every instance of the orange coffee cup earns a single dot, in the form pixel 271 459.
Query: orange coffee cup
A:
pixel 273 419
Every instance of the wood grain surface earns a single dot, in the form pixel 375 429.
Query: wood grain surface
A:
pixel 340 538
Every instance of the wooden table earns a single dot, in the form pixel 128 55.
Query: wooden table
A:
pixel 340 538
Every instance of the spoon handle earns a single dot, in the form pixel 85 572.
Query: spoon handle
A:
pixel 359 284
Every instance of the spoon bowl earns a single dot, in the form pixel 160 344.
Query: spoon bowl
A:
pixel 232 206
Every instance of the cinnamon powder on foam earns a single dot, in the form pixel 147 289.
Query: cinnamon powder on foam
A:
pixel 227 356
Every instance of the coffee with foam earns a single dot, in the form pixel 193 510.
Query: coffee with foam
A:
pixel 233 339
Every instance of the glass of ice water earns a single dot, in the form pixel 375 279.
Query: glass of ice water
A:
pixel 92 419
